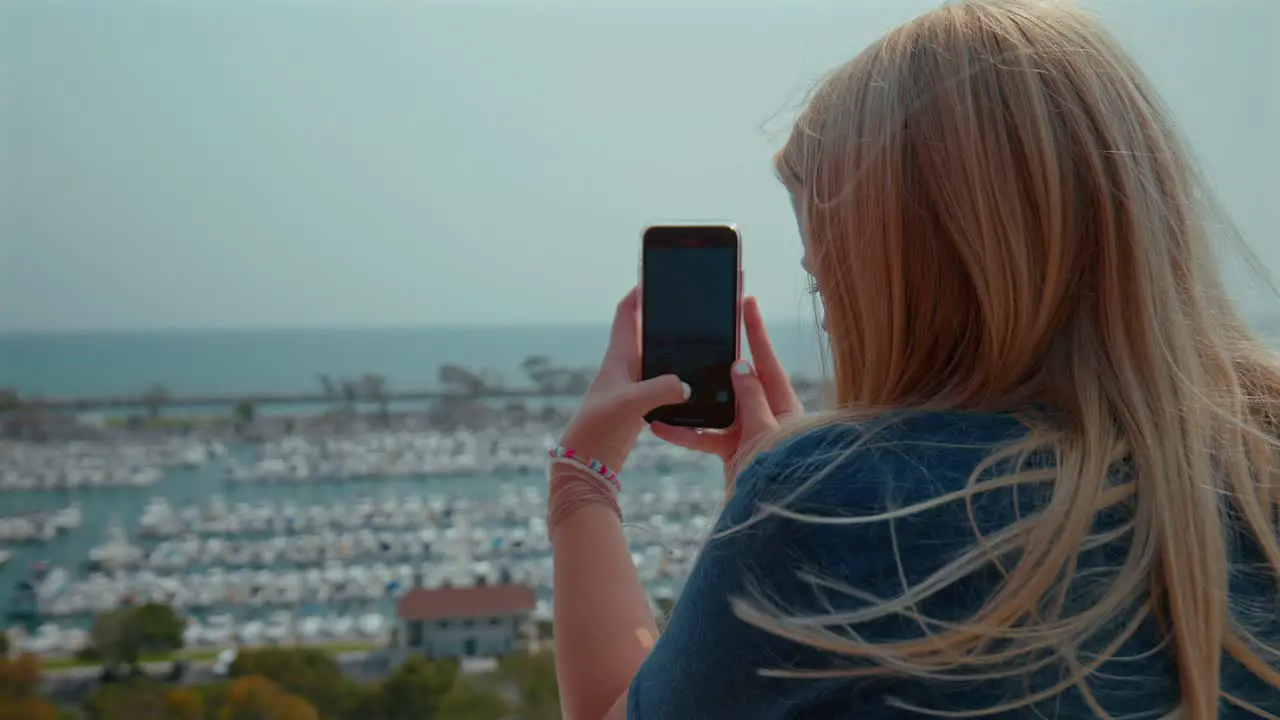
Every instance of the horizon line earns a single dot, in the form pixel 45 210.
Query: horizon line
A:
pixel 322 328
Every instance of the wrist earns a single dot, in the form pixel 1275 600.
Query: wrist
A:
pixel 591 446
pixel 572 491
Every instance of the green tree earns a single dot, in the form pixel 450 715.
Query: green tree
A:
pixel 123 635
pixel 457 379
pixel 469 700
pixel 350 394
pixel 535 676
pixel 31 707
pixel 115 636
pixel 159 628
pixel 415 690
pixel 212 697
pixel 254 697
pixel 243 414
pixel 183 704
pixel 129 700
pixel 4 644
pixel 328 388
pixel 311 674
pixel 20 676
pixel 365 704
pixel 155 398
pixel 374 387
pixel 9 400
pixel 19 687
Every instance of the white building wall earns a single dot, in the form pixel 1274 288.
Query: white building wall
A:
pixel 480 637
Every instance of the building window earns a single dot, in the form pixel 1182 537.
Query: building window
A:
pixel 415 633
pixel 468 623
pixel 495 621
pixel 443 624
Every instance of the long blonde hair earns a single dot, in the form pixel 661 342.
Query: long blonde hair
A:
pixel 999 212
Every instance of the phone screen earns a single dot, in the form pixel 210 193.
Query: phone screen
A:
pixel 689 319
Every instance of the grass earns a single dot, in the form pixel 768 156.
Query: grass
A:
pixel 345 647
pixel 200 655
pixel 63 663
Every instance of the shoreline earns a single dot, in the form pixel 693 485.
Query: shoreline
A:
pixel 284 398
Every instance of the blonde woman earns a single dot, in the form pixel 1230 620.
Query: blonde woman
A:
pixel 1049 484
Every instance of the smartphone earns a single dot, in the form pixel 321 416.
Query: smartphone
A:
pixel 690 314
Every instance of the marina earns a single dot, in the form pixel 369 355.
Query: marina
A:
pixel 301 518
pixel 98 464
pixel 39 527
pixel 312 537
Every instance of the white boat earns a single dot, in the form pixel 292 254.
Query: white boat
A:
pixel 341 626
pixel 542 610
pixel 52 584
pixel 69 518
pixel 218 629
pixel 251 632
pixel 17 529
pixel 74 639
pixel 335 573
pixel 157 517
pixel 372 624
pixel 116 551
pixel 310 627
pixel 48 638
pixel 222 665
pixel 192 634
pixel 278 628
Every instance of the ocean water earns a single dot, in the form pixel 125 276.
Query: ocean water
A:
pixel 239 361
pixel 218 362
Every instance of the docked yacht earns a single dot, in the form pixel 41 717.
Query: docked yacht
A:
pixel 116 551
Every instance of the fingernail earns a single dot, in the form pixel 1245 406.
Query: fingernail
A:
pixel 742 367
pixel 686 390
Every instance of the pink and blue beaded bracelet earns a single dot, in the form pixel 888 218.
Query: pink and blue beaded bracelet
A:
pixel 602 472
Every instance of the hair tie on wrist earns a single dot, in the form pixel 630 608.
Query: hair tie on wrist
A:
pixel 575 489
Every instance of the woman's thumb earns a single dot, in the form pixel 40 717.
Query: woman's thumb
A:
pixel 754 415
pixel 656 392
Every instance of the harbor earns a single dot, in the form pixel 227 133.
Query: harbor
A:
pixel 297 529
pixel 301 517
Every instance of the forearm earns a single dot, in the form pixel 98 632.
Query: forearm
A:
pixel 604 628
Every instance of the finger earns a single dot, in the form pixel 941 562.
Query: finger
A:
pixel 712 443
pixel 648 395
pixel 755 417
pixel 624 336
pixel 777 388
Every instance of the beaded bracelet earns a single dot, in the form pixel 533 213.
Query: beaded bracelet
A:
pixel 560 454
pixel 583 470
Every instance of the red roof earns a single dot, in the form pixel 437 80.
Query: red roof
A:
pixel 465 602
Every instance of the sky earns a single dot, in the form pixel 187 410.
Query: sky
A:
pixel 241 164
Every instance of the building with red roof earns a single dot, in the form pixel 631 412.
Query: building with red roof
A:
pixel 462 622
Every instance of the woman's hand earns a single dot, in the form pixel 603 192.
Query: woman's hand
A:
pixel 612 413
pixel 764 399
